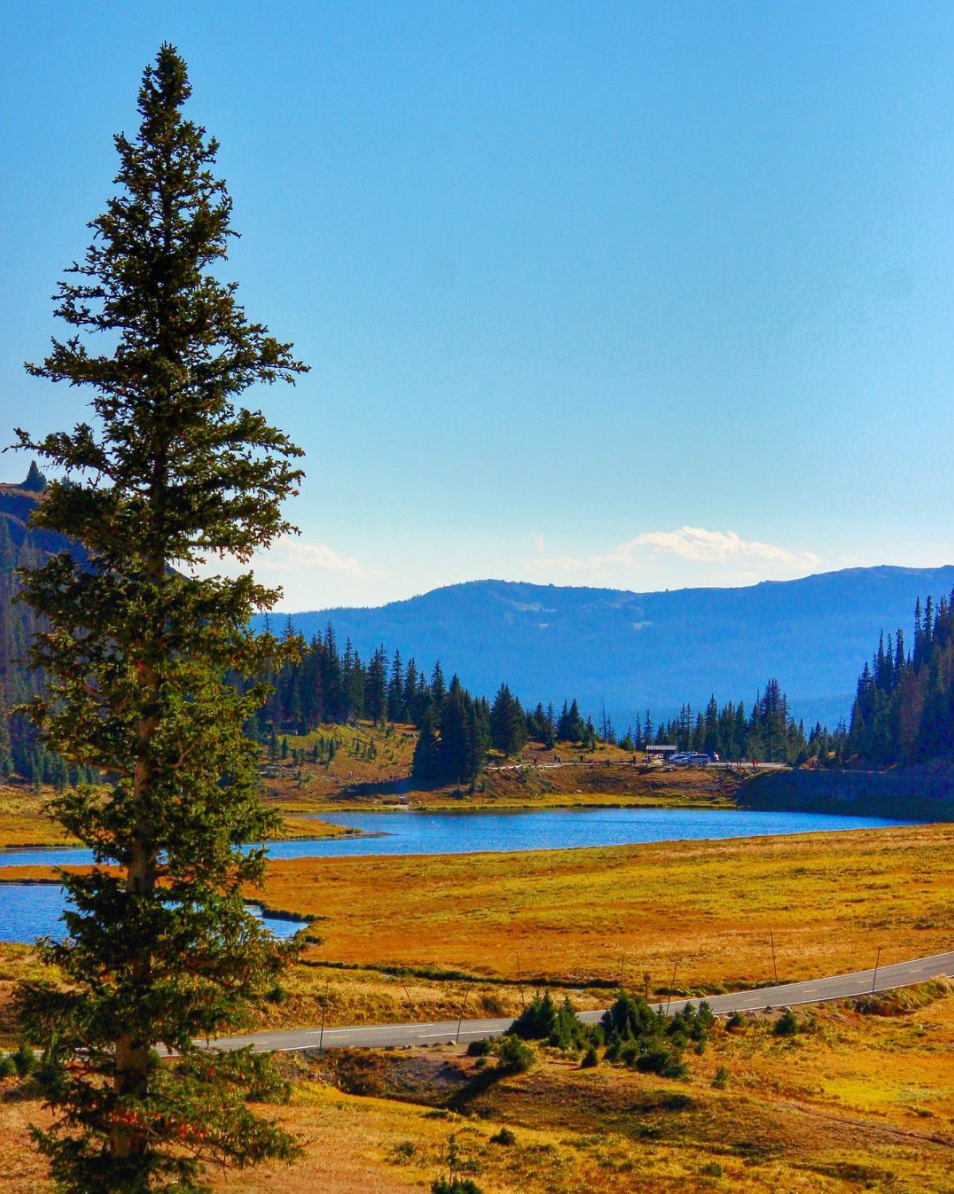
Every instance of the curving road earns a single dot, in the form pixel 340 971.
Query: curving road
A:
pixel 839 986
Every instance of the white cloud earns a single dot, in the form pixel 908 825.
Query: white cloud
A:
pixel 696 543
pixel 310 575
pixel 686 554
pixel 288 554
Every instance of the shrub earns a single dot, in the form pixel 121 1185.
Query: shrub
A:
pixel 631 1019
pixel 721 1079
pixel 787 1023
pixel 403 1151
pixel 514 1055
pixel 504 1136
pixel 480 1048
pixel 735 1021
pixel 649 1040
pixel 590 1059
pixel 24 1060
pixel 455 1185
pixel 659 1059
pixel 557 1024
pixel 7 1068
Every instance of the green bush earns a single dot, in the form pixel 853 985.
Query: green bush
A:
pixel 480 1048
pixel 787 1024
pixel 658 1059
pixel 504 1136
pixel 557 1024
pixel 24 1060
pixel 721 1079
pixel 455 1185
pixel 7 1068
pixel 649 1040
pixel 590 1059
pixel 514 1055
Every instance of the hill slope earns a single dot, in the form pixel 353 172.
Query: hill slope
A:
pixel 634 650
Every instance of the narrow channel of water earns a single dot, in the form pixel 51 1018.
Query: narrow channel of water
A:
pixel 31 910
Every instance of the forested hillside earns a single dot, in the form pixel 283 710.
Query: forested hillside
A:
pixel 21 547
pixel 457 729
pixel 633 651
pixel 904 707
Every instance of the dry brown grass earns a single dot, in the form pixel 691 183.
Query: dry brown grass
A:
pixel 24 821
pixel 707 907
pixel 575 915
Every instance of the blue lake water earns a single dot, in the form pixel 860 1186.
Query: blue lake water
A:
pixel 29 911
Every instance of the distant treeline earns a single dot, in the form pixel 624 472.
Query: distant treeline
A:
pixel 904 707
pixel 457 729
pixel 769 732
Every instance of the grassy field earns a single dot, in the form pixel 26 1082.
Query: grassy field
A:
pixel 706 908
pixel 423 937
pixel 853 1102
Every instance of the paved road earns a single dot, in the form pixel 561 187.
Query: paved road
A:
pixel 840 986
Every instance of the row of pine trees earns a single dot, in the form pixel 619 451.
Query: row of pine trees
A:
pixel 456 729
pixel 769 732
pixel 904 705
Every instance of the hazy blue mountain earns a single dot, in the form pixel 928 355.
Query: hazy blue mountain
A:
pixel 634 650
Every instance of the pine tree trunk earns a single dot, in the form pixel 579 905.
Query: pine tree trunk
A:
pixel 132 1053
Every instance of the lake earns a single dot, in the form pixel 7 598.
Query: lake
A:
pixel 29 911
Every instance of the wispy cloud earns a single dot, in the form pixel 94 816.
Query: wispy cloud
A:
pixel 311 575
pixel 734 557
pixel 289 554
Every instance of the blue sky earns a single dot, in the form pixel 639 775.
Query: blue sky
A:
pixel 624 294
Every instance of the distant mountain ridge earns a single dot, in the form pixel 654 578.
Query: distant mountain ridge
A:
pixel 656 650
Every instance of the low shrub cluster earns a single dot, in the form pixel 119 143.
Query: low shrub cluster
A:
pixel 632 1032
pixel 22 1063
pixel 787 1024
pixel 651 1041
pixel 557 1024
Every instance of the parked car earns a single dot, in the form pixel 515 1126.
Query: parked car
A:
pixel 689 758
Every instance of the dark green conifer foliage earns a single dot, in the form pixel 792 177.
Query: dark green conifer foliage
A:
pixel 161 949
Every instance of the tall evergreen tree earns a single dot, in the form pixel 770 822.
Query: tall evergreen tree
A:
pixel 170 469
pixel 508 727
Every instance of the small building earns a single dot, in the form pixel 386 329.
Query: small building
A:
pixel 661 754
